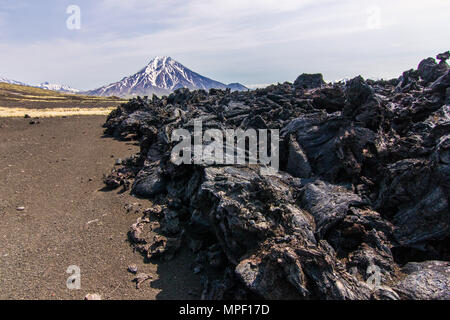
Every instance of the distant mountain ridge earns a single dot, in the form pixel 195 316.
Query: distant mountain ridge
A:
pixel 161 76
pixel 44 85
pixel 57 87
pixel 10 81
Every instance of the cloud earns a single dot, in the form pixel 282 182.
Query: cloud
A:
pixel 253 41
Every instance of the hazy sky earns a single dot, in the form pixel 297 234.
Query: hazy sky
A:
pixel 247 41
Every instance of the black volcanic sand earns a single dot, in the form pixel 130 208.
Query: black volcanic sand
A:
pixel 69 219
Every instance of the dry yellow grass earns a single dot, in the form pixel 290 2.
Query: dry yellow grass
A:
pixel 53 112
pixel 14 91
pixel 18 101
pixel 20 97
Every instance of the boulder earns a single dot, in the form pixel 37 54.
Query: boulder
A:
pixel 430 71
pixel 297 162
pixel 425 281
pixel 309 81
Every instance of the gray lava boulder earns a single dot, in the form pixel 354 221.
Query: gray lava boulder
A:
pixel 309 81
pixel 442 83
pixel 425 281
pixel 430 71
pixel 149 185
pixel 443 57
pixel 327 203
pixel 297 163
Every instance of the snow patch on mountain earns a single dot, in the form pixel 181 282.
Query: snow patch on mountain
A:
pixel 58 87
pixel 10 81
pixel 44 85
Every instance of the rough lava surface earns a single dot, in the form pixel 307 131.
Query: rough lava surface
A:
pixel 358 210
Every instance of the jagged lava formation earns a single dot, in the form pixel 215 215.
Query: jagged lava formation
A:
pixel 363 188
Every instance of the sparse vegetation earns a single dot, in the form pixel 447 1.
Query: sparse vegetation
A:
pixel 53 112
pixel 24 97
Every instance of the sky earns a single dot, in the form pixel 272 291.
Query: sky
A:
pixel 253 42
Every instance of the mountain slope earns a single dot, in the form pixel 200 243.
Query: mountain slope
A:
pixel 161 76
pixel 10 81
pixel 44 85
pixel 237 87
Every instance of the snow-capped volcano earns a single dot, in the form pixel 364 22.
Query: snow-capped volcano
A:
pixel 161 76
pixel 57 87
